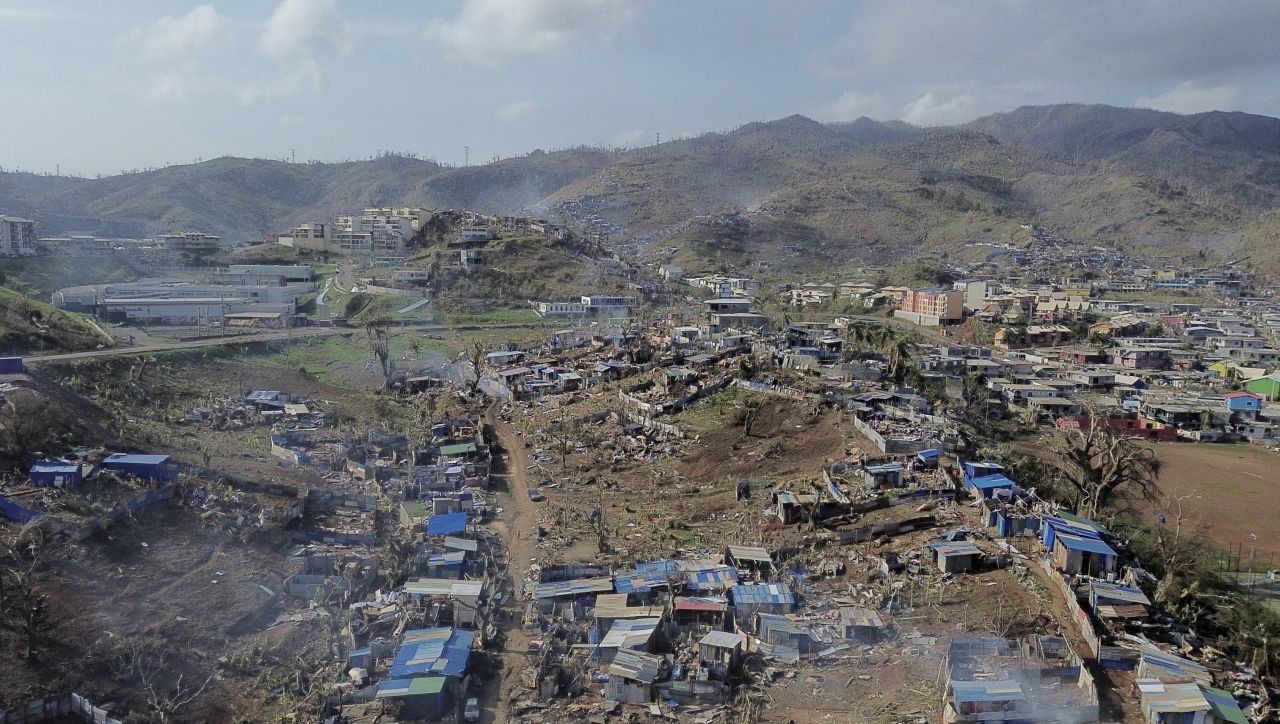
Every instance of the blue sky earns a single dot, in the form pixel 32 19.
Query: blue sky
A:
pixel 106 86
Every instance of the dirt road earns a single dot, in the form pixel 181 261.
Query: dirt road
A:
pixel 517 532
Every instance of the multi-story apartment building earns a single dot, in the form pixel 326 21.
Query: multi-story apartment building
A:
pixel 17 236
pixel 947 305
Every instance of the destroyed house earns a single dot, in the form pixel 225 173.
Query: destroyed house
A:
pixel 548 592
pixel 785 636
pixel 701 610
pixel 632 675
pixel 994 679
pixel 148 467
pixel 861 625
pixel 1173 702
pixel 1010 514
pixel 441 651
pixel 883 475
pixel 464 598
pixel 611 607
pixel 55 473
pixel 1113 601
pixel 636 634
pixel 648 577
pixel 749 558
pixel 750 599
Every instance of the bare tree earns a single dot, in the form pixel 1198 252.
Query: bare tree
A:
pixel 147 663
pixel 1179 540
pixel 476 357
pixel 376 322
pixel 1101 467
pixel 26 428
pixel 748 413
pixel 21 602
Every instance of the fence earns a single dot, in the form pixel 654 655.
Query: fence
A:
pixel 892 445
pixel 72 705
pixel 776 390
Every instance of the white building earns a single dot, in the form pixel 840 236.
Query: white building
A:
pixel 17 236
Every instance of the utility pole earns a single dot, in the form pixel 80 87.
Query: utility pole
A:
pixel 466 155
pixel 657 138
pixel 293 155
pixel 1253 543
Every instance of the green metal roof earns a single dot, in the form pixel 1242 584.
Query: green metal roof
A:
pixel 458 449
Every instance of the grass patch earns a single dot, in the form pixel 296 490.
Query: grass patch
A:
pixel 523 315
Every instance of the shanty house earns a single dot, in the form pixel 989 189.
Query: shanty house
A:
pixel 749 558
pixel 751 599
pixel 627 635
pixel 955 556
pixel 1173 702
pixel 783 633
pixel 861 625
pixel 701 611
pixel 440 651
pixel 420 697
pixel 147 467
pixel 464 597
pixel 883 475
pixel 720 652
pixel 54 473
pixel 1076 547
pixel 611 607
pixel 632 675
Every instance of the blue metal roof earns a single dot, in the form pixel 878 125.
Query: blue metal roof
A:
pixel 442 650
pixel 55 467
pixel 769 593
pixel 927 454
pixel 447 524
pixel 990 482
pixel 1088 545
pixel 711 578
pixel 137 459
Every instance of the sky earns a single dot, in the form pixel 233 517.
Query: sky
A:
pixel 111 86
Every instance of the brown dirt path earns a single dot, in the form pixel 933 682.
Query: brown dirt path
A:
pixel 519 518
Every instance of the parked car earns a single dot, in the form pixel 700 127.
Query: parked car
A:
pixel 471 712
pixel 536 495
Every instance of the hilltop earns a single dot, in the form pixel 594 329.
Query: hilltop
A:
pixel 856 192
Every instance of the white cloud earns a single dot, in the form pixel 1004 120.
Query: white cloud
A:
pixel 291 37
pixel 1191 97
pixel 495 32
pixel 298 26
pixel 517 111
pixel 171 48
pixel 930 110
pixel 288 120
pixel 299 75
pixel 851 105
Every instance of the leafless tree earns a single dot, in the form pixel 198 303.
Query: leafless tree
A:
pixel 1100 467
pixel 376 322
pixel 147 663
pixel 21 602
pixel 476 357
pixel 1179 540
pixel 26 428
pixel 747 415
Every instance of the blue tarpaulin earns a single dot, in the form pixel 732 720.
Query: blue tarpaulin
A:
pixel 447 524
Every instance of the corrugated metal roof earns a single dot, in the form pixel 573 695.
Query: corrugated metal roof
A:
pixel 442 650
pixel 1108 591
pixel 721 640
pixel 461 544
pixel 991 482
pixel 1089 545
pixel 702 603
pixel 447 523
pixel 614 605
pixel 417 686
pixel 703 577
pixel 763 593
pixel 1224 705
pixel 461 448
pixel 750 553
pixel 442 587
pixel 576 587
pixel 986 691
pixel 949 549
pixel 630 633
pixel 1170 697
pixel 635 666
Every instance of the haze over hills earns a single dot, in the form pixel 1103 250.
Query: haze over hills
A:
pixel 857 191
